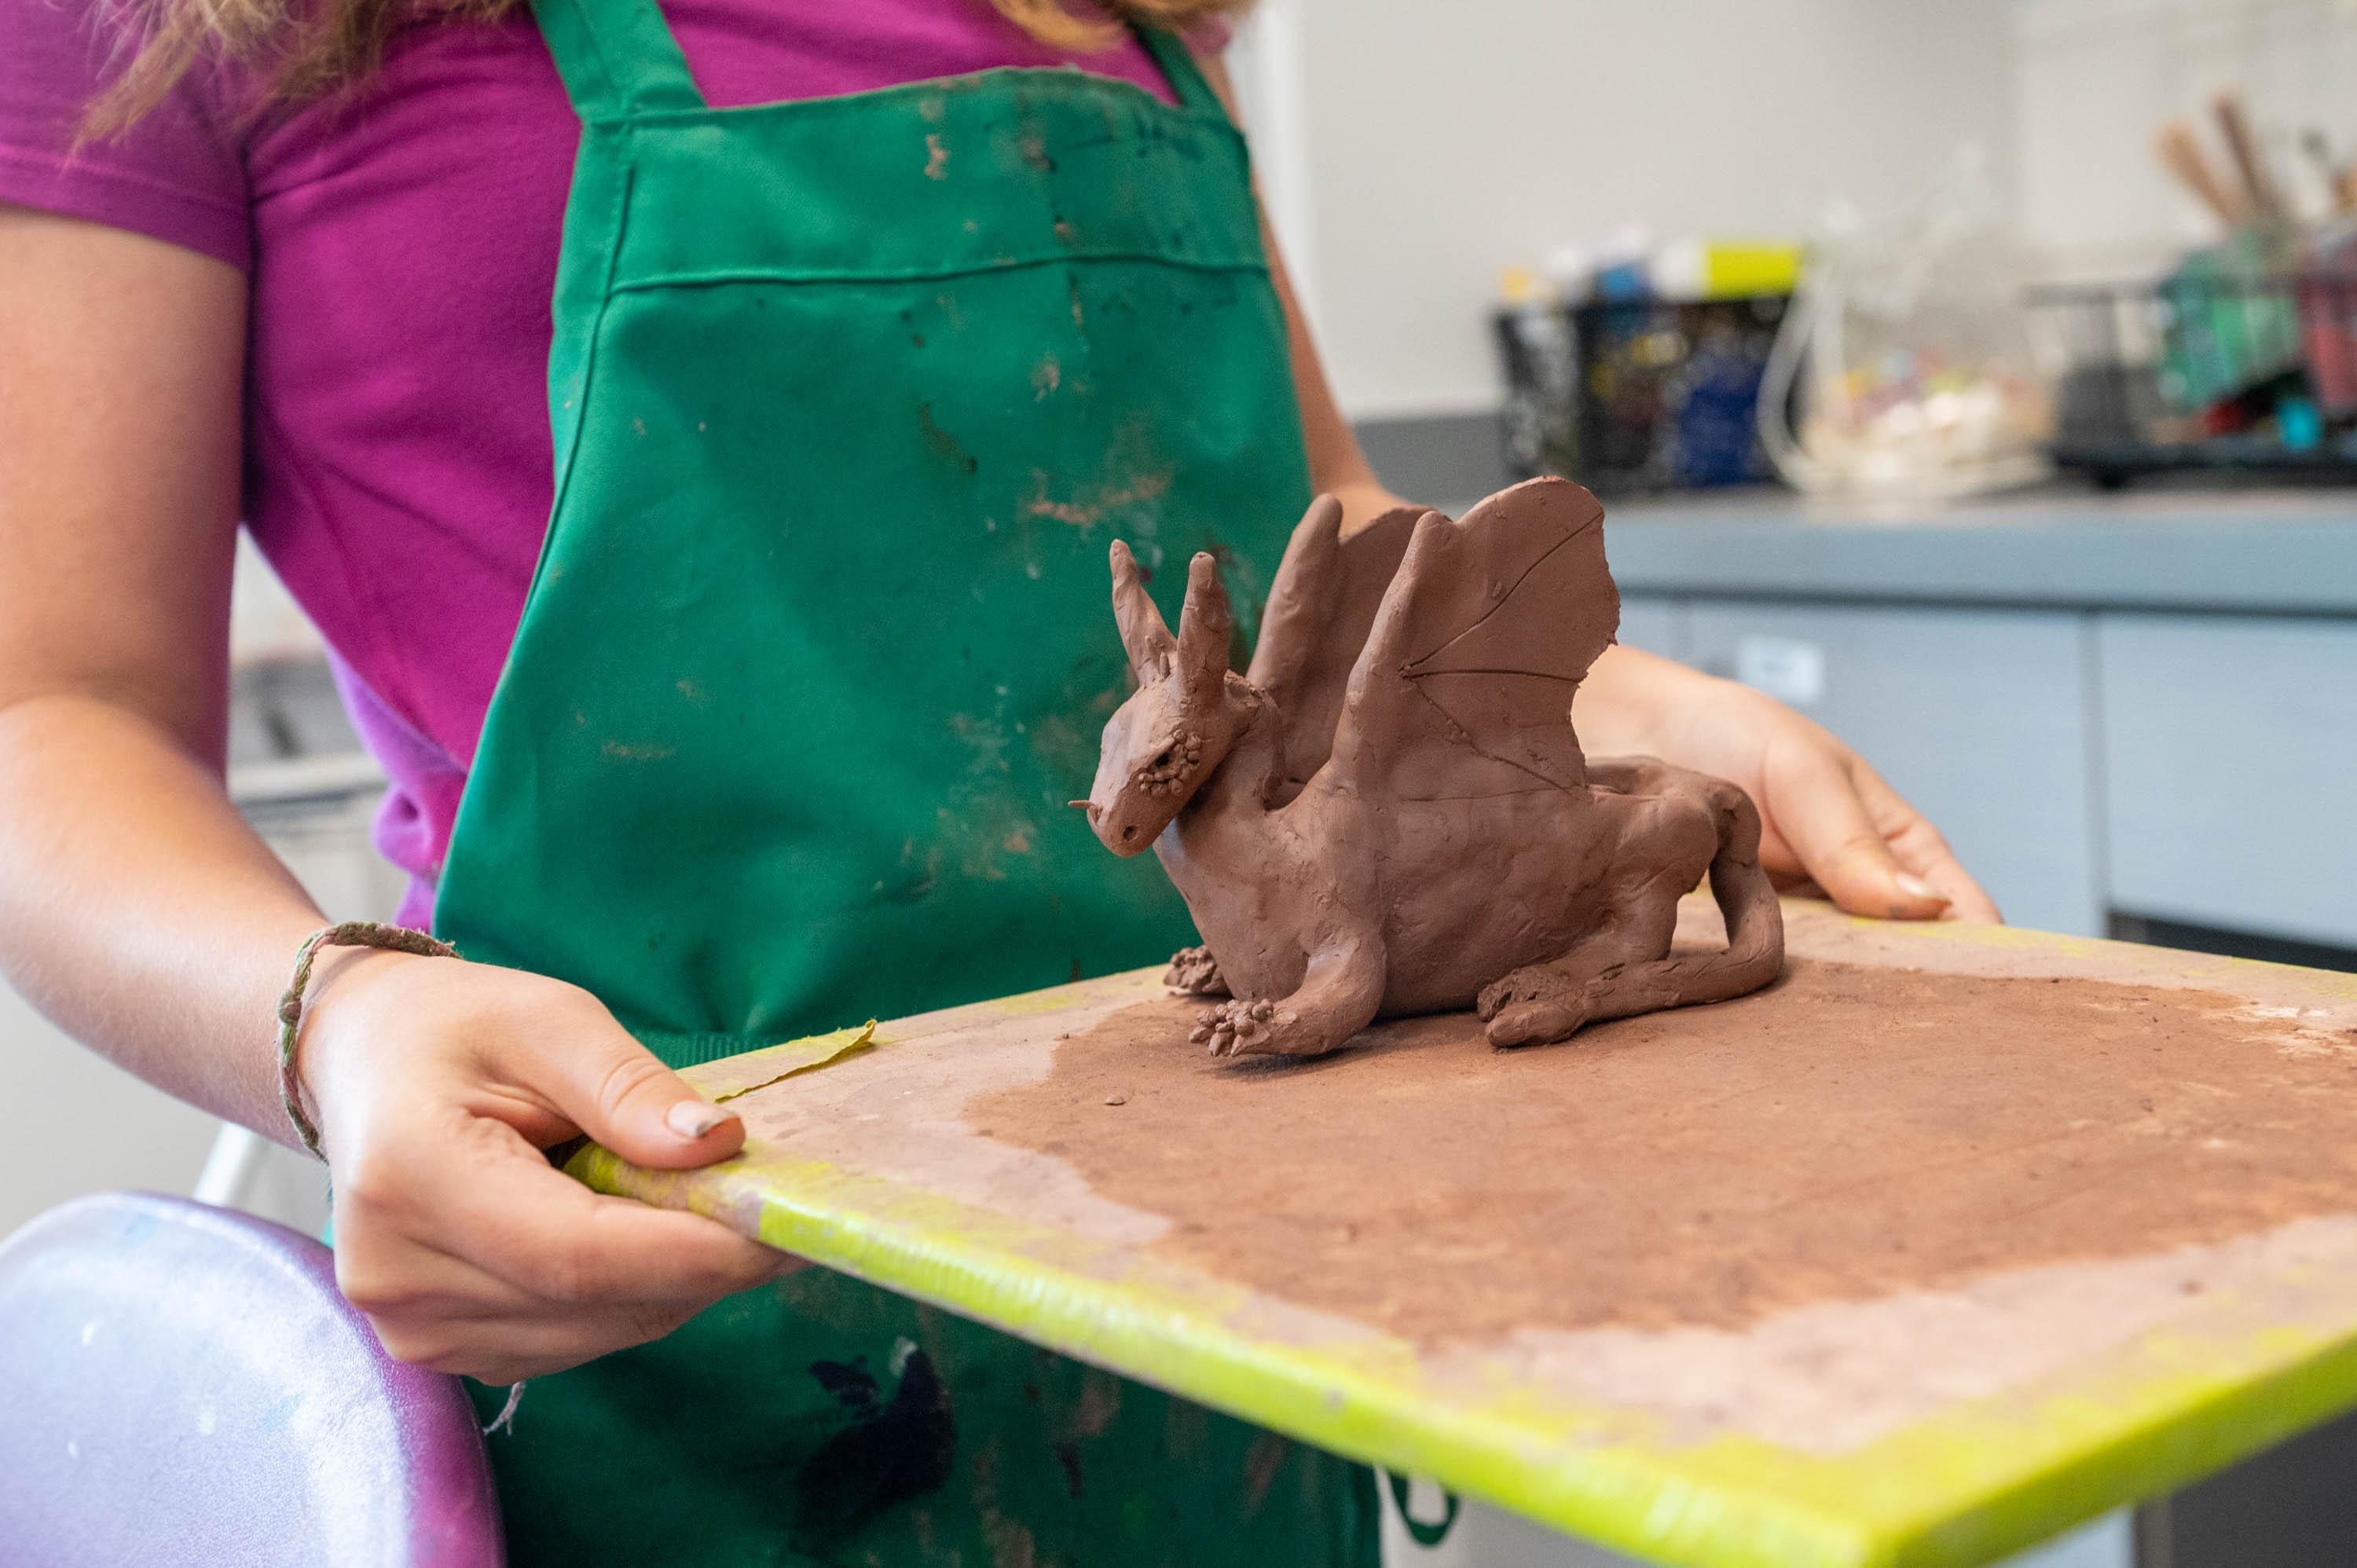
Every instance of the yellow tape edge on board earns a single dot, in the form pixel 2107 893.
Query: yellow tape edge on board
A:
pixel 1974 1481
pixel 1977 1481
pixel 1191 1333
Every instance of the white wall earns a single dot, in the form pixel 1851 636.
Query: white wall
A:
pixel 1418 148
pixel 2097 77
pixel 77 1123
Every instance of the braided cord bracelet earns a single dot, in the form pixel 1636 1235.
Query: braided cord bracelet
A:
pixel 349 934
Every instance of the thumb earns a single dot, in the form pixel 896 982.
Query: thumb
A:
pixel 614 1090
pixel 1861 876
pixel 1822 816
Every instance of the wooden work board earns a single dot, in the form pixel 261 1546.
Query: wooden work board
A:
pixel 1953 1237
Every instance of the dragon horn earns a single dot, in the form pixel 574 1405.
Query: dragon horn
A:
pixel 1144 633
pixel 1204 625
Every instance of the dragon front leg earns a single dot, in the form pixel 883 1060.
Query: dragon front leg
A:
pixel 1196 972
pixel 1339 996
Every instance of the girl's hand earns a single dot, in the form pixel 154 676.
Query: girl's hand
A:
pixel 1362 502
pixel 1828 817
pixel 438 1084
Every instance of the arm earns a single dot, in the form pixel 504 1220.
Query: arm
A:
pixel 140 911
pixel 1338 467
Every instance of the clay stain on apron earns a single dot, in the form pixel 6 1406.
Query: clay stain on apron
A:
pixel 921 873
pixel 982 824
pixel 1086 508
pixel 942 445
pixel 1009 1543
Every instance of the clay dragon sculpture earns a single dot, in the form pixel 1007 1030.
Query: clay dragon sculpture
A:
pixel 1389 812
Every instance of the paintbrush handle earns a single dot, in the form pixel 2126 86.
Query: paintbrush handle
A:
pixel 2234 125
pixel 2180 154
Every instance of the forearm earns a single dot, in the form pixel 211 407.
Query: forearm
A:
pixel 1631 701
pixel 1337 464
pixel 138 909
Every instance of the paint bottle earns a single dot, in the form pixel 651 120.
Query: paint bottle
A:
pixel 1724 269
pixel 1614 270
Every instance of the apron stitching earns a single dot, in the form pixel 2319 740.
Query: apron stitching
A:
pixel 933 275
pixel 614 227
pixel 1061 77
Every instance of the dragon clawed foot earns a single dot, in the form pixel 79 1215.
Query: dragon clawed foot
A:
pixel 1196 972
pixel 1535 1007
pixel 1246 1029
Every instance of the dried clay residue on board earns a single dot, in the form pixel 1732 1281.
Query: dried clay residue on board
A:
pixel 1855 1132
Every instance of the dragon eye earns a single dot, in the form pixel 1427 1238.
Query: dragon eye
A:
pixel 1163 760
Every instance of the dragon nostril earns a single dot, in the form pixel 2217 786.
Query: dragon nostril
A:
pixel 1129 833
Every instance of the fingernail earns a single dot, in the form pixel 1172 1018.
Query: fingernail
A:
pixel 692 1119
pixel 1915 887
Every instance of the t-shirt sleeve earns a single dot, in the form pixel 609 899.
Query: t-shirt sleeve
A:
pixel 176 174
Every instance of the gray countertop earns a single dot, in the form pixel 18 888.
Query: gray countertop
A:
pixel 2281 552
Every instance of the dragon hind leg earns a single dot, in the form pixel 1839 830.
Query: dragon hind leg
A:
pixel 1601 975
pixel 1627 967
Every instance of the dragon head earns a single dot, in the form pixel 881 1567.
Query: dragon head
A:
pixel 1185 715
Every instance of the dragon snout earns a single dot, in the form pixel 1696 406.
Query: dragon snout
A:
pixel 1122 840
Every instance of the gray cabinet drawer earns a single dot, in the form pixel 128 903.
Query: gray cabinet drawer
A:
pixel 1654 623
pixel 2230 760
pixel 1977 716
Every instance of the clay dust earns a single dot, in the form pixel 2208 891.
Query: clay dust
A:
pixel 1853 1133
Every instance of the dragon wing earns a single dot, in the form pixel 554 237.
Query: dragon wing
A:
pixel 1464 689
pixel 1320 607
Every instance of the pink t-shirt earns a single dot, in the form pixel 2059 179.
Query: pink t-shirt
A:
pixel 401 249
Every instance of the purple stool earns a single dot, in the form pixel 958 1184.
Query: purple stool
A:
pixel 182 1384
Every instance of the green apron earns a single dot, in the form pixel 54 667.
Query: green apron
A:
pixel 850 395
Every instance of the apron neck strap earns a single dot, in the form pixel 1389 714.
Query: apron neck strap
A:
pixel 618 56
pixel 1180 68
